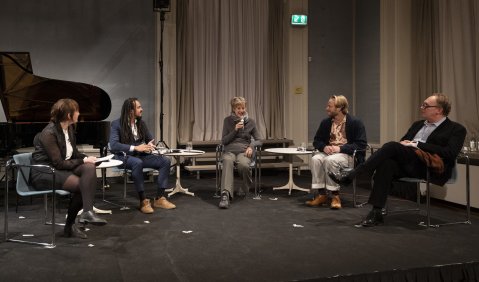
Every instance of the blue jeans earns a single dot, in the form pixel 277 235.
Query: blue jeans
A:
pixel 137 163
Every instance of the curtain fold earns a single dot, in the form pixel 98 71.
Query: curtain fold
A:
pixel 445 36
pixel 459 52
pixel 225 49
pixel 426 73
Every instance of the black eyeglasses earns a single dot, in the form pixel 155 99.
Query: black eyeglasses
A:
pixel 425 106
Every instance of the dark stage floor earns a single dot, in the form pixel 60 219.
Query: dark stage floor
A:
pixel 276 238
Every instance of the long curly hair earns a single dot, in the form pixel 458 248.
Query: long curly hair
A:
pixel 126 135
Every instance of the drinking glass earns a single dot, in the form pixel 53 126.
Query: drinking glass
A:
pixel 472 145
pixel 189 146
pixel 302 147
pixel 160 146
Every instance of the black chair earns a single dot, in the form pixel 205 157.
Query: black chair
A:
pixel 23 164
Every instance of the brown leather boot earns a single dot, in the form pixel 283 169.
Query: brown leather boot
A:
pixel 163 203
pixel 317 201
pixel 335 202
pixel 145 206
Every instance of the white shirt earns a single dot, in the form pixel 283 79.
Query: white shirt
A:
pixel 69 145
pixel 134 130
pixel 426 130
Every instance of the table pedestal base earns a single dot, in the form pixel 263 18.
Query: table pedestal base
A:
pixel 290 185
pixel 178 188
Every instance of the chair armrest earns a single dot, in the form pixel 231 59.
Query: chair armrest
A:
pixel 219 152
pixel 256 152
pixel 51 170
pixel 368 148
pixel 463 156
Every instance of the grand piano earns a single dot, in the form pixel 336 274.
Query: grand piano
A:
pixel 27 99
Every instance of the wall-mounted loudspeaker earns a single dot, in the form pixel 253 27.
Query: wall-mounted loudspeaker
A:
pixel 161 5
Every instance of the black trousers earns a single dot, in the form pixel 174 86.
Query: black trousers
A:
pixel 391 162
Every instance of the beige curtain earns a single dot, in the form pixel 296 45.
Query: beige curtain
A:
pixel 459 27
pixel 426 74
pixel 228 48
pixel 446 55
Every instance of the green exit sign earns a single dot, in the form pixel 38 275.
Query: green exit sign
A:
pixel 299 19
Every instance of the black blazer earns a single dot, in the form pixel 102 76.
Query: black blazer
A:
pixel 446 141
pixel 51 149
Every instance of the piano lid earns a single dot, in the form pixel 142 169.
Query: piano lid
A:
pixel 27 97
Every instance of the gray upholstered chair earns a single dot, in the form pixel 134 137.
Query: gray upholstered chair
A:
pixel 452 180
pixel 23 164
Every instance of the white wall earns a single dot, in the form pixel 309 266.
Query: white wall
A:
pixel 296 84
pixel 456 192
pixel 296 98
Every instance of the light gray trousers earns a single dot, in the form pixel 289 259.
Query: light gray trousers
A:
pixel 227 177
pixel 321 164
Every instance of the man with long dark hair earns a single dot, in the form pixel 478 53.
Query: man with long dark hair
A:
pixel 130 135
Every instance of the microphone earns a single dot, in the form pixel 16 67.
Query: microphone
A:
pixel 242 122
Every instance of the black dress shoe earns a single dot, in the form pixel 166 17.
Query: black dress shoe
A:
pixel 92 218
pixel 341 177
pixel 374 217
pixel 225 200
pixel 74 231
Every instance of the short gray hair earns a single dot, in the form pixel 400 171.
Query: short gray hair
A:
pixel 236 101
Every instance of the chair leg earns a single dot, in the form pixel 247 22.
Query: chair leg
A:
pixel 124 193
pixel 53 220
pixel 428 202
pixel 5 226
pixel 468 203
pixel 468 194
pixel 218 181
pixel 124 206
pixel 355 196
pixel 45 206
pixel 257 183
pixel 418 196
pixel 386 210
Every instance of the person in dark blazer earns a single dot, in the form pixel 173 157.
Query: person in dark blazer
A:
pixel 338 136
pixel 75 172
pixel 436 135
pixel 132 143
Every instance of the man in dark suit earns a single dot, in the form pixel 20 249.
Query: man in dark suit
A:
pixel 435 135
pixel 129 135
